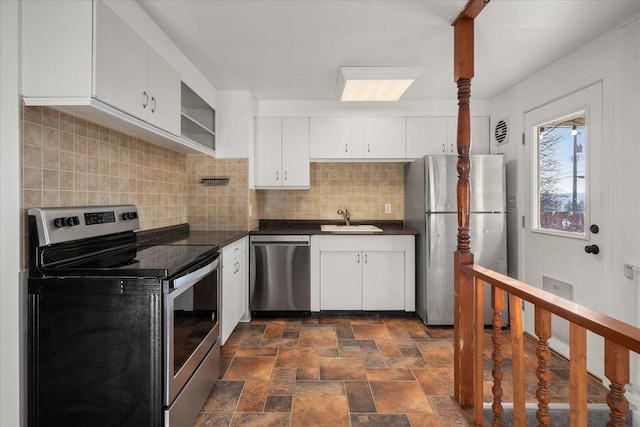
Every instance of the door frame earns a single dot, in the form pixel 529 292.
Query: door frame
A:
pixel 605 77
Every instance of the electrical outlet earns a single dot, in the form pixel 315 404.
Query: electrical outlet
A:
pixel 387 208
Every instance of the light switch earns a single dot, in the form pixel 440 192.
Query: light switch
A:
pixel 387 208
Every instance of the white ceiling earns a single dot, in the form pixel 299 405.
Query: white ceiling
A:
pixel 292 49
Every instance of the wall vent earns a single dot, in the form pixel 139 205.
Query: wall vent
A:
pixel 560 326
pixel 501 131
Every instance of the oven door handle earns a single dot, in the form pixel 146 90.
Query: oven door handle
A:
pixel 194 276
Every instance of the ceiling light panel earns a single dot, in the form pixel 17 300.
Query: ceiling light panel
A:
pixel 375 83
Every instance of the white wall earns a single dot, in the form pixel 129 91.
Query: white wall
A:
pixel 11 343
pixel 613 58
pixel 337 108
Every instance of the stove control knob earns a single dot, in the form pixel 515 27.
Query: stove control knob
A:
pixel 60 222
pixel 133 215
pixel 125 216
pixel 73 220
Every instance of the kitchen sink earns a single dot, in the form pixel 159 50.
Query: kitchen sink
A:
pixel 350 228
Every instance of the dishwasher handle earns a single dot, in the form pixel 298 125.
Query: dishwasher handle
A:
pixel 282 240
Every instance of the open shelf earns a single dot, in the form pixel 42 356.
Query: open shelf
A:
pixel 198 119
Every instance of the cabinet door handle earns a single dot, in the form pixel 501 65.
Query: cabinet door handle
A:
pixel 368 148
pixel 277 175
pixel 146 99
pixel 346 148
pixel 444 148
pixel 365 258
pixel 285 175
pixel 358 258
pixel 452 148
pixel 153 103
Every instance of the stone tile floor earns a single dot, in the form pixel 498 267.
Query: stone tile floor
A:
pixel 353 371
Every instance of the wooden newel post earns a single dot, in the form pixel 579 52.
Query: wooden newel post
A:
pixel 464 288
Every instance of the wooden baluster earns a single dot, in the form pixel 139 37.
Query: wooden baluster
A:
pixel 478 409
pixel 578 375
pixel 517 357
pixel 543 331
pixel 497 304
pixel 616 368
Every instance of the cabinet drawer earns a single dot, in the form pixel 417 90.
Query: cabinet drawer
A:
pixel 234 249
pixel 360 243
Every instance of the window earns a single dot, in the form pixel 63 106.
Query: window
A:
pixel 561 175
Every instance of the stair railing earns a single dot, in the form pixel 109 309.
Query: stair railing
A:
pixel 619 339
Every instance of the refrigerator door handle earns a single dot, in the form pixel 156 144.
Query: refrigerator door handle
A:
pixel 432 241
pixel 432 186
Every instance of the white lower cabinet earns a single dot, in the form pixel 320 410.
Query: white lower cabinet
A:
pixel 234 286
pixel 370 273
pixel 341 280
pixel 382 275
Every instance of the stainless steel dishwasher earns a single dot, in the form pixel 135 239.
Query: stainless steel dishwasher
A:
pixel 279 274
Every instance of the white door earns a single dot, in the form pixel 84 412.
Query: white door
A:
pixel 164 89
pixel 566 225
pixel 383 280
pixel 268 151
pixel 340 280
pixel 329 137
pixel 227 322
pixel 121 65
pixel 426 136
pixel 295 152
pixel 241 287
pixel 385 137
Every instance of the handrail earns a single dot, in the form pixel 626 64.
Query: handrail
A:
pixel 601 324
pixel 619 339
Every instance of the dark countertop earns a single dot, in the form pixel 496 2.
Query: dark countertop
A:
pixel 183 235
pixel 312 227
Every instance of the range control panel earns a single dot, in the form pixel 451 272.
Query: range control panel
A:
pixel 65 224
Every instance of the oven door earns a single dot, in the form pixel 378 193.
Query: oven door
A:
pixel 191 327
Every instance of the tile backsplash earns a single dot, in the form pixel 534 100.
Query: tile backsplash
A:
pixel 67 161
pixel 363 188
pixel 224 207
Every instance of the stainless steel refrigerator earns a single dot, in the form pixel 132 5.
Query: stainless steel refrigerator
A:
pixel 431 207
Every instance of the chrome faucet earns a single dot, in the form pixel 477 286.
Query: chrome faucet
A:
pixel 346 215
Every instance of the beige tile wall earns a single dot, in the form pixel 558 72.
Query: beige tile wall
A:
pixel 68 161
pixel 220 207
pixel 363 188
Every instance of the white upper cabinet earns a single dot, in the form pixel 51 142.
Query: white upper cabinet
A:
pixel 282 152
pixel 384 137
pixel 295 152
pixel 131 76
pixel 121 64
pixel 357 138
pixel 329 138
pixel 81 57
pixel 268 151
pixel 426 136
pixel 438 135
pixel 164 88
